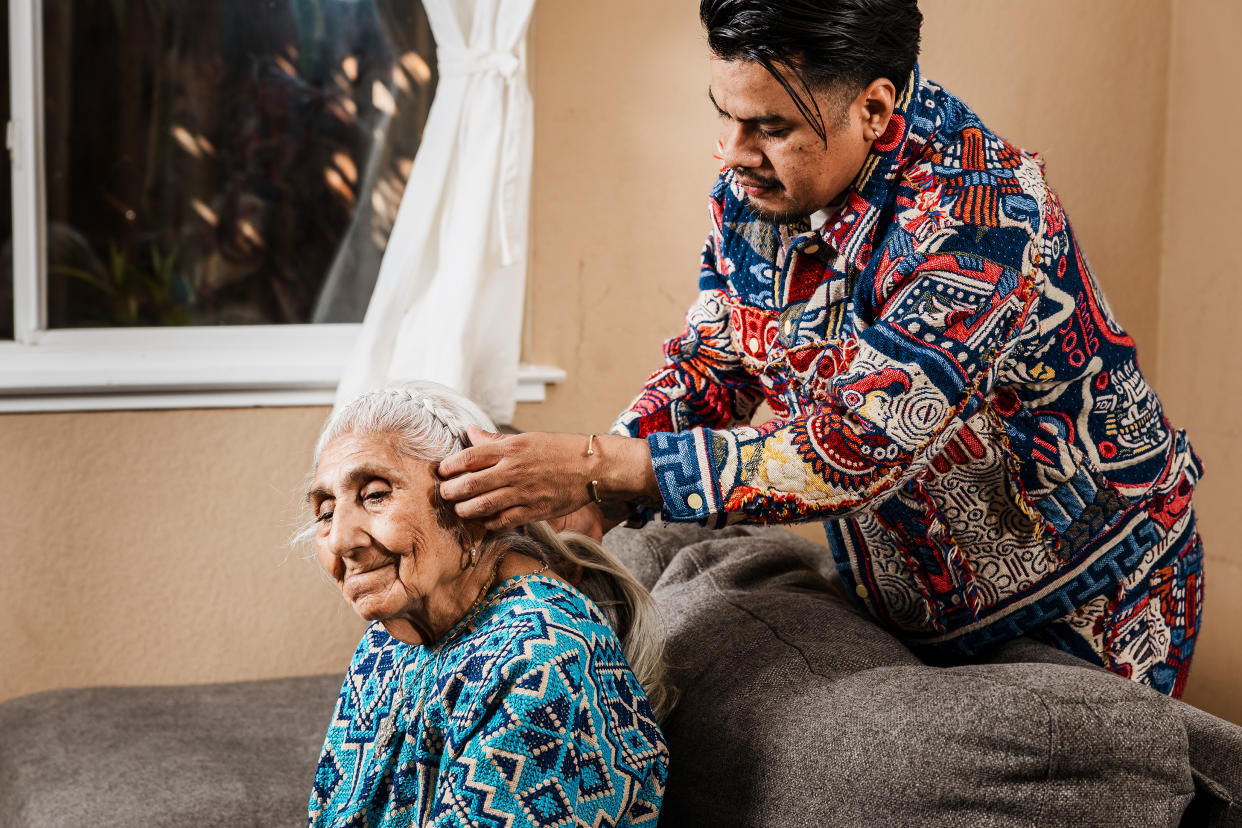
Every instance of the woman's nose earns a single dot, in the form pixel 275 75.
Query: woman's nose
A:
pixel 347 535
pixel 737 149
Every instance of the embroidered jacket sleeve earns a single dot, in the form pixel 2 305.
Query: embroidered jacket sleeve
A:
pixel 874 409
pixel 703 381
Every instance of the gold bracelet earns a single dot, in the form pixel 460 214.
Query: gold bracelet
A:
pixel 593 486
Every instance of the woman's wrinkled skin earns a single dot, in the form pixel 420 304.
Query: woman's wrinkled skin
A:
pixel 378 536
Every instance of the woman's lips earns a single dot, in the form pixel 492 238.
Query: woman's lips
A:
pixel 360 580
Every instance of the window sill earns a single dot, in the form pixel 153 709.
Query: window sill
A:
pixel 160 368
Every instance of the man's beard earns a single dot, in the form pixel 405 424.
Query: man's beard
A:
pixel 776 216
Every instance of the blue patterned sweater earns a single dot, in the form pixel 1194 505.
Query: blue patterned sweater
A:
pixel 526 715
pixel 952 395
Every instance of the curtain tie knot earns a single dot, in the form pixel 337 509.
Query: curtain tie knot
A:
pixel 458 62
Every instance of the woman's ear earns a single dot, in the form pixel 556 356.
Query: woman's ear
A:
pixel 473 534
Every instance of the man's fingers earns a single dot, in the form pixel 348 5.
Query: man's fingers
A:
pixel 488 505
pixel 509 518
pixel 480 437
pixel 472 484
pixel 471 459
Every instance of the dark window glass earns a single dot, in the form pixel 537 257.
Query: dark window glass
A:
pixel 226 163
pixel 6 190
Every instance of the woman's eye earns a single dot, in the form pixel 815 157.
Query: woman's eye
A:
pixel 773 133
pixel 375 497
pixel 324 517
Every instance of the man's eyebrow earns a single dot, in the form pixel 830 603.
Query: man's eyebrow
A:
pixel 760 120
pixel 355 478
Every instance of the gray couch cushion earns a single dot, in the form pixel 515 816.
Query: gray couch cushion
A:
pixel 212 755
pixel 1214 745
pixel 797 711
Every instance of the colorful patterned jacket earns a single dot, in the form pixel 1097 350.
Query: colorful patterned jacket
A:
pixel 952 395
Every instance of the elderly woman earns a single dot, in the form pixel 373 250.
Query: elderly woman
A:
pixel 507 678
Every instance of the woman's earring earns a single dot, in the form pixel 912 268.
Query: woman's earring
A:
pixel 474 555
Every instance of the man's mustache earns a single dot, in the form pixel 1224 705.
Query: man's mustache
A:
pixel 751 180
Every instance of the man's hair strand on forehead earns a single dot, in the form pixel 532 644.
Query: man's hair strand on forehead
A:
pixel 822 44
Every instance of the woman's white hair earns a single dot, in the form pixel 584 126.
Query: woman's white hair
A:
pixel 428 421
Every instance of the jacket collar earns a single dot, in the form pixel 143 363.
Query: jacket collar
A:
pixel 909 131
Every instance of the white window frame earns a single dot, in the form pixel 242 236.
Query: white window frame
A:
pixel 129 368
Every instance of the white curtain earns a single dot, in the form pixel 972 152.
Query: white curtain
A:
pixel 447 305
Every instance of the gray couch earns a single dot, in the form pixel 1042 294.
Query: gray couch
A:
pixel 795 711
pixel 798 711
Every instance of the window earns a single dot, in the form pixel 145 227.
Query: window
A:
pixel 200 194
pixel 227 163
pixel 6 199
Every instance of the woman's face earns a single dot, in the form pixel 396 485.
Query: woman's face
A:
pixel 378 537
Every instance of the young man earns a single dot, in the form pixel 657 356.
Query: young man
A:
pixel 953 397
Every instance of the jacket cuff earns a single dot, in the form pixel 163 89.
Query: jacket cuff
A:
pixel 683 471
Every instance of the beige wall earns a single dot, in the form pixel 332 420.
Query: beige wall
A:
pixel 623 163
pixel 149 547
pixel 1200 317
pixel 1062 80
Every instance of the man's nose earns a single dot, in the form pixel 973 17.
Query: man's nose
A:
pixel 737 147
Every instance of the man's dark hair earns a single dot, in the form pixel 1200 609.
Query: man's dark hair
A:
pixel 823 44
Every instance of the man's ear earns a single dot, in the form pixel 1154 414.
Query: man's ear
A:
pixel 874 106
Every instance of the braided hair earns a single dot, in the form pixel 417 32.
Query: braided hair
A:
pixel 430 419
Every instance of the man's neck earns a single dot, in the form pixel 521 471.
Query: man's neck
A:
pixel 820 217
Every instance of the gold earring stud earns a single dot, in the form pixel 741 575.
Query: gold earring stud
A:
pixel 474 555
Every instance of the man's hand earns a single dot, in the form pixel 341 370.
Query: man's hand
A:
pixel 509 481
pixel 588 520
